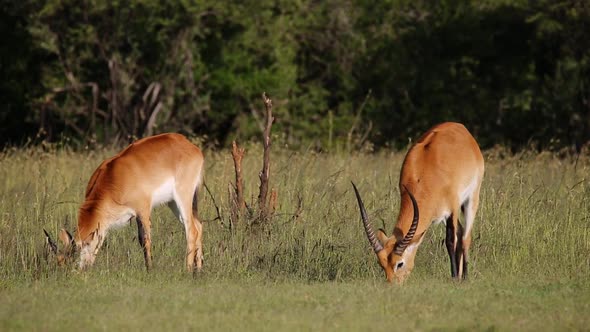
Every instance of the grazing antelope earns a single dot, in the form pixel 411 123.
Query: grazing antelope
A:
pixel 440 177
pixel 166 168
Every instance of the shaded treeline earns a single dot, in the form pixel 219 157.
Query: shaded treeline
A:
pixel 342 74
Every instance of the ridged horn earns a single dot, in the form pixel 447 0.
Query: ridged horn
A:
pixel 377 247
pixel 401 246
pixel 50 242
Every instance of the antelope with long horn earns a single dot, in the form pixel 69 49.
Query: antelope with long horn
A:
pixel 166 168
pixel 440 178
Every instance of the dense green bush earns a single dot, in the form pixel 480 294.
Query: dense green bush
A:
pixel 342 74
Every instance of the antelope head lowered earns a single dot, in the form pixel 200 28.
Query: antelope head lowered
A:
pixel 166 168
pixel 440 178
pixel 69 246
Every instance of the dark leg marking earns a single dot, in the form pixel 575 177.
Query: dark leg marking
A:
pixel 450 241
pixel 140 232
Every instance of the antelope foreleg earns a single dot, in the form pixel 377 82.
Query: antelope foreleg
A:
pixel 144 237
pixel 460 253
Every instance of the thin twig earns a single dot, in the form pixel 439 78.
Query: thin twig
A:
pixel 214 204
pixel 356 121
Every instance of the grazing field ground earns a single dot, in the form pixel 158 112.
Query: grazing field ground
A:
pixel 310 267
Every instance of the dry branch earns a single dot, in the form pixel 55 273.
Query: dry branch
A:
pixel 151 106
pixel 239 203
pixel 356 121
pixel 233 216
pixel 272 203
pixel 265 173
pixel 299 209
pixel 75 89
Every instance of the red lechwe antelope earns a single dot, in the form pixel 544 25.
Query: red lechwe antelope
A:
pixel 441 176
pixel 160 169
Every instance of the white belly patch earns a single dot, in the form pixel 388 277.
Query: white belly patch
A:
pixel 442 218
pixel 122 220
pixel 468 191
pixel 164 193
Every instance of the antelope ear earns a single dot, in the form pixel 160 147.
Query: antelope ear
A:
pixel 382 236
pixel 65 237
pixel 52 245
pixel 90 237
pixel 388 242
pixel 68 241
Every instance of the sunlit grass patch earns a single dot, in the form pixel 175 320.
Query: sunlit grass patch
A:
pixel 529 266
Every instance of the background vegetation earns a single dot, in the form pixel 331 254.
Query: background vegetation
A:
pixel 530 259
pixel 343 74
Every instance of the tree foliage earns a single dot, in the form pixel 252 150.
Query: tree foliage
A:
pixel 341 73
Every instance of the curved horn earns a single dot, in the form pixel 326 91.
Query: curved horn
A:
pixel 401 246
pixel 50 242
pixel 377 247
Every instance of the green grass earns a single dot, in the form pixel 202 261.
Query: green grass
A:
pixel 155 302
pixel 530 259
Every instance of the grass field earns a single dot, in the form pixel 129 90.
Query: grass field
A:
pixel 530 258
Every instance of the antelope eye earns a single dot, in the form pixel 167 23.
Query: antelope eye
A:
pixel 399 265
